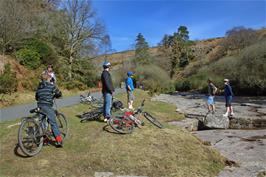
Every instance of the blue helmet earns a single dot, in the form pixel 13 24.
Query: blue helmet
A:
pixel 106 64
pixel 129 73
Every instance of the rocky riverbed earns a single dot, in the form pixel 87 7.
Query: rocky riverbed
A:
pixel 241 139
pixel 248 115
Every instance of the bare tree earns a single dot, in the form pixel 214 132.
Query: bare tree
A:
pixel 240 37
pixel 20 19
pixel 82 28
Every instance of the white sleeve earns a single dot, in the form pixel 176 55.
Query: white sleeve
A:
pixel 53 75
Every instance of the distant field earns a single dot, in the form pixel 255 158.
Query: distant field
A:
pixel 148 151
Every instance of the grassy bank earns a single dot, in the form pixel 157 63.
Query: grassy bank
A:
pixel 148 151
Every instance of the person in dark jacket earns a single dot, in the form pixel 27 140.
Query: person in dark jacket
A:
pixel 44 96
pixel 107 90
pixel 228 94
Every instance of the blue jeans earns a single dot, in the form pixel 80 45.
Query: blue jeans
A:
pixel 107 102
pixel 50 113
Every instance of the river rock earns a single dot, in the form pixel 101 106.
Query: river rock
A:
pixel 188 124
pixel 216 121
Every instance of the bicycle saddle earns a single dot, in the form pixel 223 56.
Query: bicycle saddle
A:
pixel 35 110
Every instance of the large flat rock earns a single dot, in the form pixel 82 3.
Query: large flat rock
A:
pixel 246 147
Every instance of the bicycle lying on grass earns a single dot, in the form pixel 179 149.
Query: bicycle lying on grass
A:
pixel 97 110
pixel 126 122
pixel 91 100
pixel 35 130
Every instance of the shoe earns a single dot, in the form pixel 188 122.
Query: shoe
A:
pixel 106 119
pixel 59 141
pixel 59 144
pixel 225 115
pixel 232 114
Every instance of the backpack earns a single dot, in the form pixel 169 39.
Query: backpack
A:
pixel 117 105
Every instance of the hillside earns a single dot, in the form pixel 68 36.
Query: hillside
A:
pixel 207 49
pixel 25 77
pixel 225 57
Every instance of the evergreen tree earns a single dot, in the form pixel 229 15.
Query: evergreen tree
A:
pixel 176 47
pixel 142 55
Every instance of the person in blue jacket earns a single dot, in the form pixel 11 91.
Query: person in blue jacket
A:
pixel 228 94
pixel 130 88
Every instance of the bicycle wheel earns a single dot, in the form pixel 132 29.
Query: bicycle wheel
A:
pixel 153 120
pixel 121 125
pixel 62 124
pixel 93 115
pixel 30 137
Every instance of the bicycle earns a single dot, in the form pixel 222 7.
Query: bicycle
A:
pixel 94 114
pixel 126 123
pixel 97 111
pixel 92 101
pixel 35 129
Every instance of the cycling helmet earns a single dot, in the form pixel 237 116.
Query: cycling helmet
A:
pixel 106 64
pixel 129 73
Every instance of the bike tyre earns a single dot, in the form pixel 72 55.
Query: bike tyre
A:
pixel 153 120
pixel 37 131
pixel 62 125
pixel 90 116
pixel 121 125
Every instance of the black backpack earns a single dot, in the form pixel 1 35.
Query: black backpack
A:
pixel 117 105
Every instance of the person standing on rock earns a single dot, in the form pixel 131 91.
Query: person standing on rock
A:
pixel 211 93
pixel 107 90
pixel 228 94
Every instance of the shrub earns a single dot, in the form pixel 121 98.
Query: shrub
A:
pixel 239 38
pixel 182 85
pixel 119 75
pixel 74 84
pixel 47 54
pixel 8 81
pixel 30 83
pixel 29 58
pixel 252 69
pixel 84 71
pixel 154 78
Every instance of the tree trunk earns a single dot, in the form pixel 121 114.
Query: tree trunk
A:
pixel 71 58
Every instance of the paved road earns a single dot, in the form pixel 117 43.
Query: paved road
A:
pixel 15 112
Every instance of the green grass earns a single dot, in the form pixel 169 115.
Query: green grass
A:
pixel 147 151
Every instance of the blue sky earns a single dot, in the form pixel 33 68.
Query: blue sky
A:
pixel 124 19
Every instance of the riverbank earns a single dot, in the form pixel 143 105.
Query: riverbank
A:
pixel 246 149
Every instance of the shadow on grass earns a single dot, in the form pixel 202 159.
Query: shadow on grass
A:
pixel 89 119
pixel 18 152
pixel 108 129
